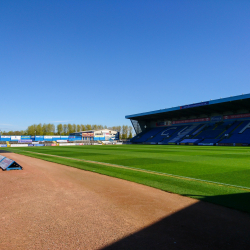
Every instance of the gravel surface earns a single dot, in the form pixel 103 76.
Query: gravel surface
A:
pixel 52 206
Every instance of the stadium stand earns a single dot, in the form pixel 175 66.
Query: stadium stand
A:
pixel 202 123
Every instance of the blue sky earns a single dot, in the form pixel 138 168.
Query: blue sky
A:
pixel 97 61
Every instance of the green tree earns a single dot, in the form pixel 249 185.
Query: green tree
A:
pixel 74 128
pixel 70 128
pixel 59 129
pixel 44 129
pixel 83 128
pixel 65 129
pixel 99 127
pixel 39 130
pixel 88 127
pixel 130 129
pixel 94 127
pixel 78 128
pixel 124 132
pixel 31 129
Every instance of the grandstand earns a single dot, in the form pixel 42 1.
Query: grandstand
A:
pixel 224 121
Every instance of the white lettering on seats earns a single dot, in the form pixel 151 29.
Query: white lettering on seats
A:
pixel 246 127
pixel 182 130
pixel 163 132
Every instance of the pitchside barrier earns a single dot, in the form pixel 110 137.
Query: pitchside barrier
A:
pixel 8 164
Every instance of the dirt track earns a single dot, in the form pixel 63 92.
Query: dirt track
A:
pixel 51 206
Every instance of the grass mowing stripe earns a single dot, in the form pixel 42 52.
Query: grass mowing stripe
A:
pixel 144 170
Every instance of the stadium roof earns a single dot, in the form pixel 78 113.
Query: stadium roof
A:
pixel 232 104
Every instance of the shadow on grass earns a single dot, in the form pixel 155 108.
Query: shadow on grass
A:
pixel 5 151
pixel 199 226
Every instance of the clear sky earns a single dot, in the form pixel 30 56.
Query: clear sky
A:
pixel 97 61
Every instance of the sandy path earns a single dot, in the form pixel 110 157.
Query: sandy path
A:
pixel 51 206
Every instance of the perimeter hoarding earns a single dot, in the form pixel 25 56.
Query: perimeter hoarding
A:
pixel 192 120
pixel 5 163
pixel 199 104
pixel 226 117
pixel 87 134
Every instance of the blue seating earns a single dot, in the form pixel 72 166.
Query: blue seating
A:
pixel 210 133
pixel 167 131
pixel 186 131
pixel 147 135
pixel 237 137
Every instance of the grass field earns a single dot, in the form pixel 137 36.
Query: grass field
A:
pixel 219 175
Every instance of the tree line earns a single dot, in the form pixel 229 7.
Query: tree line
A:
pixel 126 132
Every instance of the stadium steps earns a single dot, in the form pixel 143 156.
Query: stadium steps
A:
pixel 200 131
pixel 224 132
pixel 231 132
pixel 197 131
pixel 235 128
pixel 217 137
pixel 216 125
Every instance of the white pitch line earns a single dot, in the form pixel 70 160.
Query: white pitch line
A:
pixel 141 169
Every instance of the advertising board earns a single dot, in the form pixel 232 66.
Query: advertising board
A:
pixel 39 137
pixel 5 136
pixel 87 134
pixel 67 144
pixel 39 145
pixel 53 144
pixel 205 144
pixel 62 141
pixel 48 137
pixel 30 145
pixel 19 145
pixel 217 118
pixel 24 141
pixel 3 145
pixel 159 124
pixel 6 162
pixel 194 105
pixel 1 157
pixel 236 116
pixel 192 120
pixel 189 140
pixel 225 144
pixel 162 124
pixel 15 137
pixel 25 137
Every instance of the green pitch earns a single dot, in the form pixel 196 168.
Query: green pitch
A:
pixel 219 175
